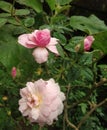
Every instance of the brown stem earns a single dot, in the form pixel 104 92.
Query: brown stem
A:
pixel 90 112
pixel 67 120
pixel 95 86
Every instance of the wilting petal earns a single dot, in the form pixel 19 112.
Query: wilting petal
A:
pixel 40 55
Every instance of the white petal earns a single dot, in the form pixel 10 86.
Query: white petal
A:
pixel 40 55
pixel 30 87
pixel 34 113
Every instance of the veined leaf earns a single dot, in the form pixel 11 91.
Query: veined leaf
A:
pixel 6 6
pixel 60 50
pixel 4 15
pixel 34 4
pixel 103 69
pixel 2 21
pixel 100 41
pixel 89 25
pixel 22 12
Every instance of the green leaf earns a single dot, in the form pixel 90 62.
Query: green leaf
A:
pixel 62 8
pixel 97 55
pixel 83 107
pixel 103 69
pixel 81 73
pixel 75 42
pixel 22 12
pixel 34 4
pixel 86 59
pixel 6 6
pixel 13 21
pixel 100 41
pixel 86 74
pixel 4 15
pixel 29 21
pixel 10 50
pixel 51 4
pixel 61 37
pixel 60 50
pixel 88 25
pixel 2 21
pixel 64 2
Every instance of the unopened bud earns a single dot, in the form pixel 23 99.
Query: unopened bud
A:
pixel 13 72
pixel 88 42
pixel 77 47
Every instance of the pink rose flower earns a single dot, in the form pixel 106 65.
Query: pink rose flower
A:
pixel 88 42
pixel 42 101
pixel 40 40
pixel 13 72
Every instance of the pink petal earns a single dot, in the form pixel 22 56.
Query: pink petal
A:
pixel 53 41
pixel 52 117
pixel 45 110
pixel 30 87
pixel 53 49
pixel 51 46
pixel 24 41
pixel 23 107
pixel 34 113
pixel 40 86
pixel 26 112
pixel 88 42
pixel 23 92
pixel 40 55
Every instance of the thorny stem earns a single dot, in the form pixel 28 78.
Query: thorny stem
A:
pixel 90 112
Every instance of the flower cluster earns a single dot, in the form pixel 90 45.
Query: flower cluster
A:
pixel 42 101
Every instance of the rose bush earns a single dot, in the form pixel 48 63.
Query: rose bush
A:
pixel 67 91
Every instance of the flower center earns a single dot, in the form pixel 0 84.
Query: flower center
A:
pixel 34 101
pixel 42 38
